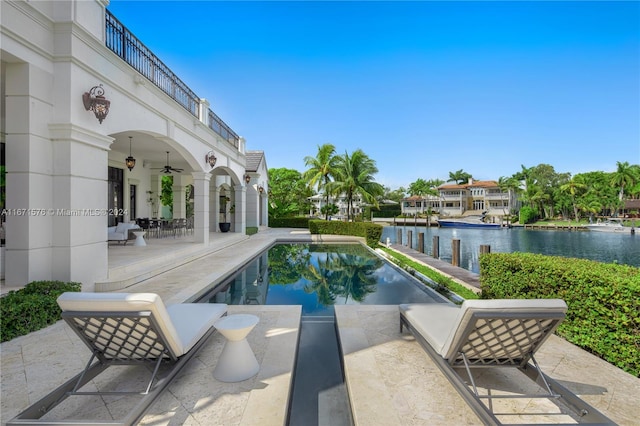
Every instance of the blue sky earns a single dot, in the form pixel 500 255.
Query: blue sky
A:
pixel 424 88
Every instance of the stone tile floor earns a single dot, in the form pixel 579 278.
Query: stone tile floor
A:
pixel 390 379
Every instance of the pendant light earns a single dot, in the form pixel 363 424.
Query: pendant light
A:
pixel 130 161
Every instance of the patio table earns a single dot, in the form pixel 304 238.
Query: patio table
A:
pixel 237 361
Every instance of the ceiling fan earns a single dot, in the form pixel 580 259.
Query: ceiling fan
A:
pixel 168 168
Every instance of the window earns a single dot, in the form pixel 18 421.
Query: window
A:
pixel 132 202
pixel 116 177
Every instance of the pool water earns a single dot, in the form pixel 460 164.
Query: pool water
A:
pixel 319 276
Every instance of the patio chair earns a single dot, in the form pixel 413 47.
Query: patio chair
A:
pixel 128 329
pixel 492 334
pixel 179 226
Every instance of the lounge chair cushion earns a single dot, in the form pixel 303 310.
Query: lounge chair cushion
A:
pixel 192 320
pixel 432 320
pixel 444 326
pixel 182 325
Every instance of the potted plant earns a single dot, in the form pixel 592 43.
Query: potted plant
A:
pixel 224 225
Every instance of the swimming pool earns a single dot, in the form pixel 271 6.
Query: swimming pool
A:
pixel 319 276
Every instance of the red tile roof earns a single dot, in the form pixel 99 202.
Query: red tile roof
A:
pixel 475 184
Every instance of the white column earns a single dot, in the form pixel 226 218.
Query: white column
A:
pixel 155 206
pixel 240 221
pixel 203 111
pixel 264 206
pixel 179 202
pixel 214 203
pixel 253 205
pixel 79 185
pixel 29 174
pixel 201 207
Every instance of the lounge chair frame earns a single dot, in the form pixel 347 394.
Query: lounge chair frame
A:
pixel 535 330
pixel 92 327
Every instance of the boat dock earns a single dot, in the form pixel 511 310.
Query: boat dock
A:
pixel 462 276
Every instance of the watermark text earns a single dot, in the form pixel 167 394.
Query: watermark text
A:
pixel 63 212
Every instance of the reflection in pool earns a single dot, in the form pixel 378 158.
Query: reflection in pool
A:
pixel 318 276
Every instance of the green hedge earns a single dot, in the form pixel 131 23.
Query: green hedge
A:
pixel 603 299
pixel 250 230
pixel 370 231
pixel 31 308
pixel 527 215
pixel 289 222
pixel 384 210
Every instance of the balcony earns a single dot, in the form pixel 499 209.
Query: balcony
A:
pixel 131 50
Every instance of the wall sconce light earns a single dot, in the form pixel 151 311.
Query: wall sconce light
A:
pixel 261 189
pixel 95 101
pixel 130 161
pixel 211 158
pixel 247 178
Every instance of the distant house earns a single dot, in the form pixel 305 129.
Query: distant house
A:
pixel 420 204
pixel 320 200
pixel 474 197
pixel 631 208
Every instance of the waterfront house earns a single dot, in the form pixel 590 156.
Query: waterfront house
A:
pixel 90 121
pixel 341 201
pixel 471 198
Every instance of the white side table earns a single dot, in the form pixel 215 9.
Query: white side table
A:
pixel 140 242
pixel 237 361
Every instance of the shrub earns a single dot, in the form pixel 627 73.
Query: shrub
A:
pixel 527 215
pixel 370 231
pixel 251 230
pixel 31 308
pixel 385 210
pixel 603 299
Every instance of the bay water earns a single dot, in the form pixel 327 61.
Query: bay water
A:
pixel 599 246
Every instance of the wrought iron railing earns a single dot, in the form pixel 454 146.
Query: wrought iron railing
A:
pixel 218 126
pixel 124 44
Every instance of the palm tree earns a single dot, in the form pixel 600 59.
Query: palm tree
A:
pixel 623 176
pixel 354 175
pixel 320 279
pixel 509 184
pixel 459 176
pixel 589 205
pixel 356 277
pixel 321 170
pixel 419 187
pixel 574 187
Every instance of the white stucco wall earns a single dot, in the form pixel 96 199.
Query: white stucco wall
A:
pixel 58 154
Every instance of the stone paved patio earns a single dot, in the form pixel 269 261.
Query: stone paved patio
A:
pixel 391 380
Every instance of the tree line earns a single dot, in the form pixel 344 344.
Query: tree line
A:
pixel 543 192
pixel 327 173
pixel 546 194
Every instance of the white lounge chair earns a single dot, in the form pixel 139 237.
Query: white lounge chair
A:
pixel 488 334
pixel 128 329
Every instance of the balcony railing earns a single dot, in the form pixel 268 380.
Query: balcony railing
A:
pixel 124 44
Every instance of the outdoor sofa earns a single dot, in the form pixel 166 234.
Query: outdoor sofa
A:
pixel 122 232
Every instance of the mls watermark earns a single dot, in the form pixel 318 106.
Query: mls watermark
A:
pixel 64 212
